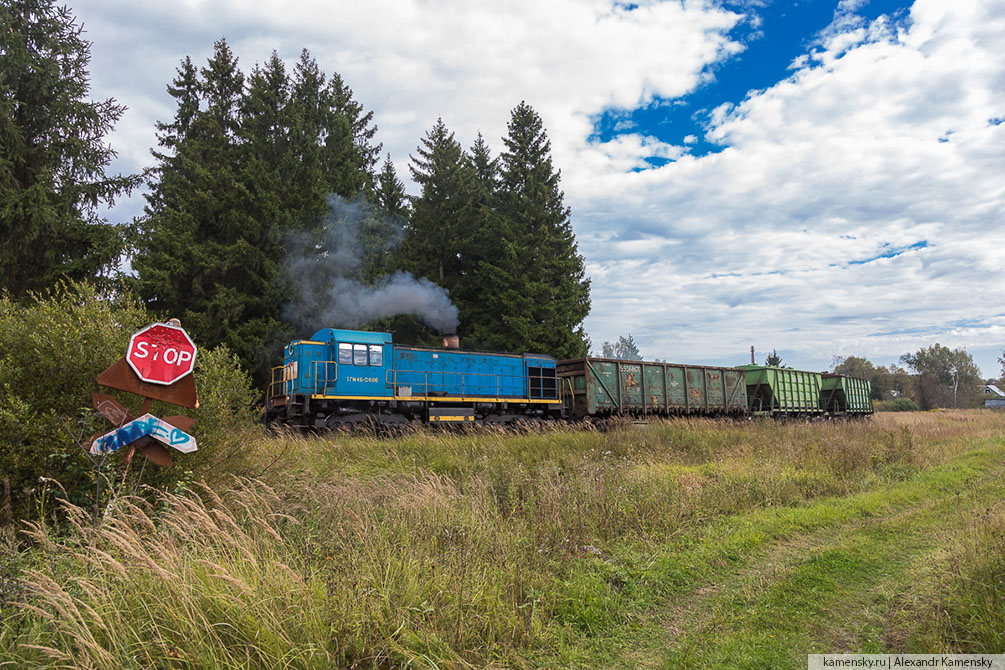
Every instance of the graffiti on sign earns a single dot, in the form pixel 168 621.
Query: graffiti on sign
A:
pixel 146 425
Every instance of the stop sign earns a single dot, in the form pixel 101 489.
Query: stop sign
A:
pixel 161 354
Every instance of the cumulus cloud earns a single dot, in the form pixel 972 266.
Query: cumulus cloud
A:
pixel 880 141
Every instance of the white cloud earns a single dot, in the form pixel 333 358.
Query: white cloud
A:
pixel 415 61
pixel 847 147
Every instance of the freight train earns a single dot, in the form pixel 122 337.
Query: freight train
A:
pixel 343 378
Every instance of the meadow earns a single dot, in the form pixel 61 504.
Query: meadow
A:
pixel 678 544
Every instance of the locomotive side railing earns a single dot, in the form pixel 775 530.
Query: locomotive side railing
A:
pixel 445 384
pixel 276 382
pixel 320 375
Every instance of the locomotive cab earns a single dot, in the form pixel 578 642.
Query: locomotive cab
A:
pixel 347 364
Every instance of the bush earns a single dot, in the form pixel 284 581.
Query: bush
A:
pixel 226 416
pixel 896 405
pixel 52 346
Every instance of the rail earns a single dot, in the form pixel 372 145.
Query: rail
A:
pixel 276 380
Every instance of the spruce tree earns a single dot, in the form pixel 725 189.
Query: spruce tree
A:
pixel 548 296
pixel 361 126
pixel 389 192
pixel 441 213
pixel 306 197
pixel 440 222
pixel 489 259
pixel 52 153
pixel 486 169
pixel 207 254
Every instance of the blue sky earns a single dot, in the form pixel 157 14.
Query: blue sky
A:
pixel 773 35
pixel 824 178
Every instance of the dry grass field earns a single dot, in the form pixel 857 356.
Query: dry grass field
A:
pixel 680 544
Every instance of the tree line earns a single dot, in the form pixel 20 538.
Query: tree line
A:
pixel 934 376
pixel 249 162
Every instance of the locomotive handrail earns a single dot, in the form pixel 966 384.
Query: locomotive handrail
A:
pixel 316 381
pixel 280 382
pixel 427 387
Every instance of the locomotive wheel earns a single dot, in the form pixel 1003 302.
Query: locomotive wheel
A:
pixel 348 423
pixel 393 425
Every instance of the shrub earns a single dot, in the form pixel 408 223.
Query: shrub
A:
pixel 225 420
pixel 52 346
pixel 896 405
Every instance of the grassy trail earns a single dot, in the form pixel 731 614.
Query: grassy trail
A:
pixel 847 574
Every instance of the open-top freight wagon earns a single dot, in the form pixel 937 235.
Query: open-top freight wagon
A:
pixel 784 392
pixel 598 387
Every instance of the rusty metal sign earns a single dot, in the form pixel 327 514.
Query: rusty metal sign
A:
pixel 148 434
pixel 121 377
pixel 147 425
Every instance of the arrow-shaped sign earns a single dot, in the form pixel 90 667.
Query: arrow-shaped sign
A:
pixel 146 425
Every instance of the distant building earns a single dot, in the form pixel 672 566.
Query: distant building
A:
pixel 994 397
pixel 992 390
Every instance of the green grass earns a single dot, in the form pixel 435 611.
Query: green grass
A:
pixel 684 544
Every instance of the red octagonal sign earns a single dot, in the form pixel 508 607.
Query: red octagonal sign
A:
pixel 161 354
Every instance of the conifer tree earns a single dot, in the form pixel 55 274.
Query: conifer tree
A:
pixel 489 261
pixel 441 213
pixel 52 153
pixel 486 169
pixel 361 126
pixel 207 254
pixel 390 192
pixel 544 293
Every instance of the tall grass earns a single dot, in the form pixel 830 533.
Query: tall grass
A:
pixel 968 612
pixel 433 550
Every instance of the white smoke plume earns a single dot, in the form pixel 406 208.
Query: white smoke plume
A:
pixel 327 271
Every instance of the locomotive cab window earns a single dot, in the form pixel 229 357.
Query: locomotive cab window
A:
pixel 344 353
pixel 376 355
pixel 359 354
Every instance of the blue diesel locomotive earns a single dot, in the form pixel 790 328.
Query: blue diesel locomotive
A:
pixel 341 378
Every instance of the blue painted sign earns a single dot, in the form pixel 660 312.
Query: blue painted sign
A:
pixel 146 425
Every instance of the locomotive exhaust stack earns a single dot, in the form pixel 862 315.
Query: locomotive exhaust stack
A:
pixel 451 342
